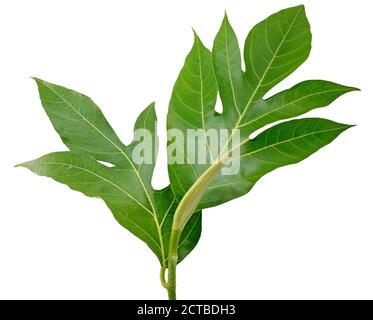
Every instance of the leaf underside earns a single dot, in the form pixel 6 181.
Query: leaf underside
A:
pixel 273 49
pixel 126 186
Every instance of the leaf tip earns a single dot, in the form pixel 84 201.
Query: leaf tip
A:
pixel 346 127
pixel 196 37
pixel 36 79
pixel 225 16
pixel 197 40
pixel 21 165
pixel 225 21
pixel 300 8
pixel 151 107
pixel 346 89
pixel 354 89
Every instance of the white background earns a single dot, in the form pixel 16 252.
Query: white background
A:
pixel 303 232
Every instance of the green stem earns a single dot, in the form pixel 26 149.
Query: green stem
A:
pixel 184 211
pixel 172 262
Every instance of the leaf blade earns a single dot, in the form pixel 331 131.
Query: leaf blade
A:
pixel 254 112
pixel 226 57
pixel 264 154
pixel 126 188
pixel 279 52
pixel 80 123
pixel 299 99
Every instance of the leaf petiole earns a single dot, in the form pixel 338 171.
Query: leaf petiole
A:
pixel 183 213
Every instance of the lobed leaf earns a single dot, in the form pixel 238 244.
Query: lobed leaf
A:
pixel 125 187
pixel 274 49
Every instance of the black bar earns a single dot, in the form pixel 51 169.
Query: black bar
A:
pixel 189 309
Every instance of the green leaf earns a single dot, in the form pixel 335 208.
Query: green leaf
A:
pixel 283 144
pixel 274 48
pixel 293 102
pixel 125 187
pixel 212 157
pixel 226 56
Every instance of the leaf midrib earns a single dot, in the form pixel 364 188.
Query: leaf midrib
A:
pixel 202 98
pixel 289 140
pixel 69 165
pixel 287 104
pixel 229 70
